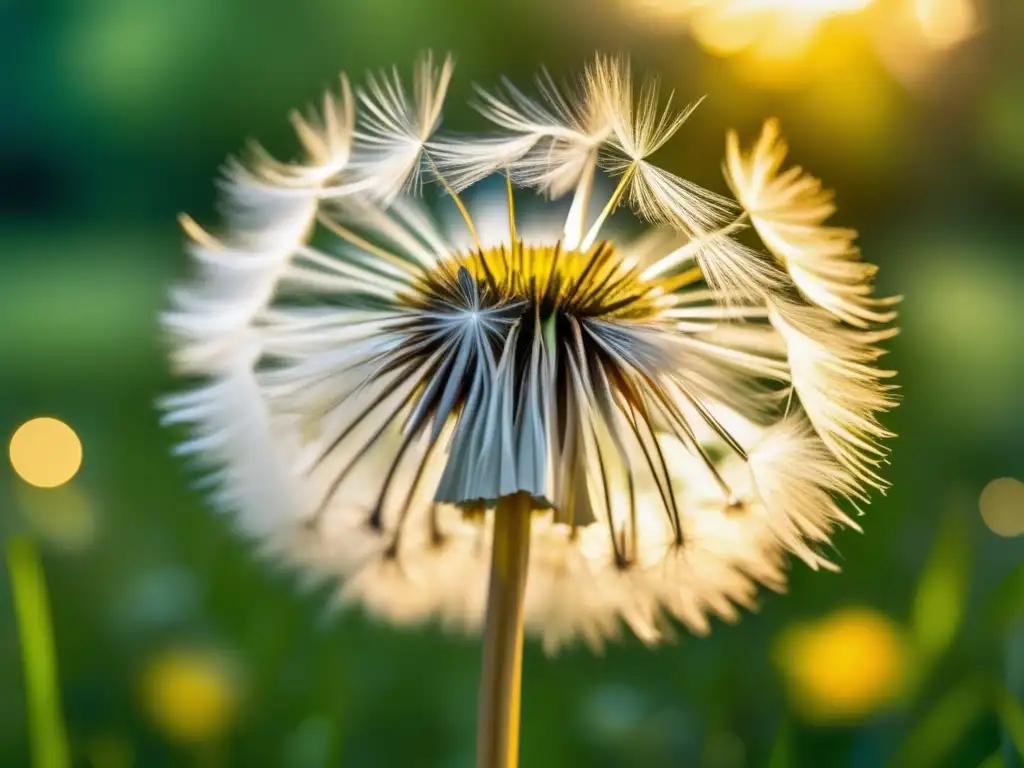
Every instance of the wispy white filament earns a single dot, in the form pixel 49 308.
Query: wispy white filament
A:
pixel 789 209
pixel 682 411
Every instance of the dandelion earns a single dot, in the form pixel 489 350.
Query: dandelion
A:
pixel 506 428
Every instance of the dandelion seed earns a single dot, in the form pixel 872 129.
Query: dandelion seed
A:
pixel 788 210
pixel 609 432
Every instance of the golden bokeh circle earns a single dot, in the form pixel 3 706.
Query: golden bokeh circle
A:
pixel 1002 506
pixel 191 695
pixel 45 452
pixel 843 666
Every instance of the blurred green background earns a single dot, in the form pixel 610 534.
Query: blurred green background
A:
pixel 176 647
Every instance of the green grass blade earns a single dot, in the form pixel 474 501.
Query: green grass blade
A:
pixel 31 604
pixel 1004 606
pixel 1012 717
pixel 941 597
pixel 943 725
pixel 782 751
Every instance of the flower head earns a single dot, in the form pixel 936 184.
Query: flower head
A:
pixel 680 410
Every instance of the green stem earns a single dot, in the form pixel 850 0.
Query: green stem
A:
pixel 32 606
pixel 501 680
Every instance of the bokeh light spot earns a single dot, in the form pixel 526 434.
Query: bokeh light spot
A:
pixel 843 666
pixel 191 695
pixel 110 750
pixel 724 37
pixel 945 23
pixel 45 452
pixel 1002 506
pixel 1001 122
pixel 967 355
pixel 64 517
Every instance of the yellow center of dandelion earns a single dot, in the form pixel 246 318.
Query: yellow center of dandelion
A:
pixel 591 283
pixel 514 345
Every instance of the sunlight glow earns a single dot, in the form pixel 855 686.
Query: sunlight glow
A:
pixel 782 43
pixel 778 29
pixel 945 23
pixel 820 8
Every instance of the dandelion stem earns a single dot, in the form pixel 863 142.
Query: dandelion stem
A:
pixel 501 679
pixel 32 606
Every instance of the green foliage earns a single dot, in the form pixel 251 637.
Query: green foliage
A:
pixel 940 600
pixel 943 724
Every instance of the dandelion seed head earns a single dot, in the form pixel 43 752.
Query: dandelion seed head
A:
pixel 681 411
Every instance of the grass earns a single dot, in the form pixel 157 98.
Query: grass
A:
pixel 39 660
